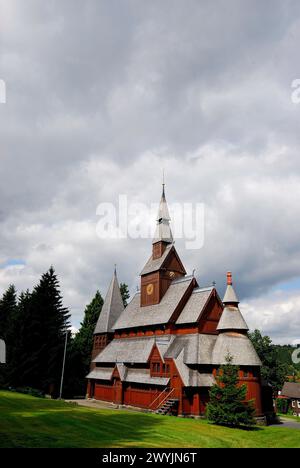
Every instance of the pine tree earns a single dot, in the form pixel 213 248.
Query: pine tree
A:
pixel 124 293
pixel 44 335
pixel 84 338
pixel 15 339
pixel 8 305
pixel 80 349
pixel 8 317
pixel 228 405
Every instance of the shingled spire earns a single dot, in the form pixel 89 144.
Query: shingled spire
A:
pixel 163 231
pixel 112 307
pixel 231 319
pixel 230 297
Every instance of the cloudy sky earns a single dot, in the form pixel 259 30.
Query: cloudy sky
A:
pixel 101 95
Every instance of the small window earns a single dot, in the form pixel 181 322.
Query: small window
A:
pixel 298 403
pixel 293 403
pixel 246 374
pixel 155 367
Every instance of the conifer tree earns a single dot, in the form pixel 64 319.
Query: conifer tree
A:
pixel 80 350
pixel 228 405
pixel 15 338
pixel 44 335
pixel 124 293
pixel 8 317
pixel 8 305
pixel 83 340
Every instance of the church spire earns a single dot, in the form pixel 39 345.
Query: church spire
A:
pixel 112 307
pixel 231 318
pixel 163 231
pixel 230 297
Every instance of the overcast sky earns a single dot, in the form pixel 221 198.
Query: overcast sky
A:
pixel 101 95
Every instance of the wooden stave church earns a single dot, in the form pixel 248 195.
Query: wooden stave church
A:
pixel 163 351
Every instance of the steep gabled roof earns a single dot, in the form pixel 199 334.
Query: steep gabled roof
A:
pixel 195 305
pixel 291 390
pixel 191 377
pixel 155 264
pixel 112 307
pixel 130 350
pixel 143 376
pixel 101 373
pixel 136 316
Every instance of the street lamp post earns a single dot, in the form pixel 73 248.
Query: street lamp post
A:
pixel 63 367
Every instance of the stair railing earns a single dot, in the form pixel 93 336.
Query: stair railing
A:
pixel 166 397
pixel 159 395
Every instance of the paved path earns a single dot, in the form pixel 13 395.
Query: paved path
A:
pixel 96 404
pixel 286 422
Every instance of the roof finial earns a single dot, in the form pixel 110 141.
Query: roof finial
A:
pixel 229 278
pixel 115 270
pixel 163 181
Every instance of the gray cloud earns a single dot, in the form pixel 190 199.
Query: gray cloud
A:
pixel 102 95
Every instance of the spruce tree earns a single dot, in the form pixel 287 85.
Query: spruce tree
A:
pixel 228 405
pixel 8 318
pixel 8 305
pixel 15 339
pixel 44 335
pixel 80 350
pixel 124 293
pixel 83 340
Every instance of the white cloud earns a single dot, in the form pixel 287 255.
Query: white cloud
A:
pixel 102 96
pixel 277 314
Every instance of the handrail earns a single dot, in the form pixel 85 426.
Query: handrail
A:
pixel 158 397
pixel 161 393
pixel 169 394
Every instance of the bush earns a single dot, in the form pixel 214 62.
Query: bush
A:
pixel 282 405
pixel 29 391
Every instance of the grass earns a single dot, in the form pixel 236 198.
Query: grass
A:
pixel 32 422
pixel 290 416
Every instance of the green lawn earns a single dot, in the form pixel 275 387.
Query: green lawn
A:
pixel 290 416
pixel 31 422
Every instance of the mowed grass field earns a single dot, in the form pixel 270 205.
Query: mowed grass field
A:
pixel 32 422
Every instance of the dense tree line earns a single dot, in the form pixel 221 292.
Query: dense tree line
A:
pixel 34 327
pixel 277 364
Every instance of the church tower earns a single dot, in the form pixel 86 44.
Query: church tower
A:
pixel 164 265
pixel 231 320
pixel 111 311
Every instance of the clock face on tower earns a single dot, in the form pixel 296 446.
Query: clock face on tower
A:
pixel 150 289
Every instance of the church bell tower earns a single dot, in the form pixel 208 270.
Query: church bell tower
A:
pixel 164 265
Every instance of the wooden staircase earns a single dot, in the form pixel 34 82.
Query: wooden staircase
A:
pixel 168 407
